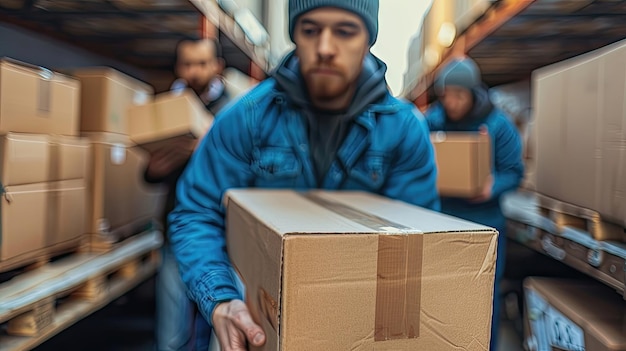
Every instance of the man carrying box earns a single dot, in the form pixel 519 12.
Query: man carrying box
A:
pixel 324 120
pixel 464 105
pixel 198 66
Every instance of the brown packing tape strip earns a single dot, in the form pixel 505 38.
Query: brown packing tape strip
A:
pixel 398 287
pixel 399 272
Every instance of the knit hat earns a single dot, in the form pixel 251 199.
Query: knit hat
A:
pixel 462 72
pixel 367 9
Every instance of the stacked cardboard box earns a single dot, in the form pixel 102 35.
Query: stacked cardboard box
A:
pixel 121 203
pixel 573 315
pixel 580 126
pixel 356 271
pixel 42 163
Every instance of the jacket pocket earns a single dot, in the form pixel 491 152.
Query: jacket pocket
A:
pixel 275 166
pixel 371 170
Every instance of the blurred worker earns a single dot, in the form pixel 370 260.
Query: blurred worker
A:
pixel 324 120
pixel 464 105
pixel 179 327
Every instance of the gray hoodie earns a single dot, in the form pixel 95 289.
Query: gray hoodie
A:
pixel 328 129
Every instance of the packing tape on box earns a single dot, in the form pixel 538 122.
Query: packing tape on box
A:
pixel 399 272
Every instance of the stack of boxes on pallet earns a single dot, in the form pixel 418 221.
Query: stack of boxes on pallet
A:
pixel 579 133
pixel 43 163
pixel 71 167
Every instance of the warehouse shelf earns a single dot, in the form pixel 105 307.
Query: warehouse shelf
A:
pixel 139 33
pixel 514 37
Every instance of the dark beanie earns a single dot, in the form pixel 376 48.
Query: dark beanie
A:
pixel 367 9
pixel 462 73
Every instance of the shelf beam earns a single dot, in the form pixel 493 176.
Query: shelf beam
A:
pixel 494 18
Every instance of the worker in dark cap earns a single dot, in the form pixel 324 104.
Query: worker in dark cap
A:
pixel 464 105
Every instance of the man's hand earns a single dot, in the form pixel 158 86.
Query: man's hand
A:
pixel 485 194
pixel 234 327
pixel 166 160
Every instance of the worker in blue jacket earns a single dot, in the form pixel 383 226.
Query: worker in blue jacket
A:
pixel 464 105
pixel 325 119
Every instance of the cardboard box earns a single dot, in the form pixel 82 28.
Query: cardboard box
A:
pixel 355 271
pixel 39 158
pixel 122 202
pixel 580 117
pixel 36 100
pixel 171 115
pixel 70 158
pixel 68 210
pixel 106 96
pixel 42 215
pixel 24 159
pixel 573 315
pixel 24 219
pixel 463 162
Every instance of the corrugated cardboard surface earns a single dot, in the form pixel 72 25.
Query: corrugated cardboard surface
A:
pixel 39 158
pixel 24 219
pixel 354 271
pixel 580 112
pixel 36 100
pixel 596 310
pixel 24 159
pixel 463 162
pixel 70 158
pixel 170 115
pixel 106 95
pixel 68 210
pixel 118 193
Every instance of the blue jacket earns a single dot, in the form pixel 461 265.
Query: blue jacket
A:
pixel 507 166
pixel 261 141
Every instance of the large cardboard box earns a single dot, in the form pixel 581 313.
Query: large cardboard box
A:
pixel 573 315
pixel 67 212
pixel 39 158
pixel 355 271
pixel 463 162
pixel 24 219
pixel 122 203
pixel 42 215
pixel 37 100
pixel 106 96
pixel 24 159
pixel 171 115
pixel 70 157
pixel 580 117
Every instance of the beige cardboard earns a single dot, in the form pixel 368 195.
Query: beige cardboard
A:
pixel 106 96
pixel 581 124
pixel 24 219
pixel 463 162
pixel 24 159
pixel 37 100
pixel 70 158
pixel 596 309
pixel 170 115
pixel 67 212
pixel 122 202
pixel 332 271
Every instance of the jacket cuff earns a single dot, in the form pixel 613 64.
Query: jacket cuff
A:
pixel 214 288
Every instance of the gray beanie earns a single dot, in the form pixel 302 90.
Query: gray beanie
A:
pixel 462 72
pixel 367 9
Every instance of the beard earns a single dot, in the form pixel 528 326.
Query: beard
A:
pixel 327 87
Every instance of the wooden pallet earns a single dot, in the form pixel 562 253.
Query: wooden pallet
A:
pixel 568 215
pixel 100 243
pixel 41 303
pixel 38 258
